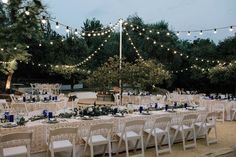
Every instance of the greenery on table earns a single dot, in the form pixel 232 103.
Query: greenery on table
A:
pixel 21 121
pixel 37 117
pixel 100 111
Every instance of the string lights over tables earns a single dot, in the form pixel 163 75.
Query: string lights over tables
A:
pixel 141 32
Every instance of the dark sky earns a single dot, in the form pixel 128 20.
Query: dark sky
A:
pixel 180 14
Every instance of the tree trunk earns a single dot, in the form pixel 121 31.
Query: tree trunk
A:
pixel 8 83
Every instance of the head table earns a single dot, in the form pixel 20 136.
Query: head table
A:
pixel 40 128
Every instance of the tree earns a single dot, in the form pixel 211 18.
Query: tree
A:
pixel 224 77
pixel 139 75
pixel 16 31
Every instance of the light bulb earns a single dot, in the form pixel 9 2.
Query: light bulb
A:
pixel 76 31
pixel 215 31
pixel 44 20
pixel 27 11
pixel 5 1
pixel 231 28
pixel 200 32
pixel 67 29
pixel 57 25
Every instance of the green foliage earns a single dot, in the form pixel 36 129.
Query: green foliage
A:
pixel 140 75
pixel 17 29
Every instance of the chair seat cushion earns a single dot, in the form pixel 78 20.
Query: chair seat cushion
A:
pixel 13 151
pixel 130 135
pixel 180 128
pixel 156 131
pixel 97 140
pixel 62 145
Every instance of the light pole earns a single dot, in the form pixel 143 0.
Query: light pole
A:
pixel 120 81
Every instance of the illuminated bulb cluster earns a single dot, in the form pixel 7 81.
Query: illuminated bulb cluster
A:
pixel 179 53
pixel 187 69
pixel 188 33
pixel 93 54
pixel 92 33
pixel 134 47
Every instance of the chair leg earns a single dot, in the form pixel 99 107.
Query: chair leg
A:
pixel 174 137
pixel 142 145
pixel 194 138
pixel 156 145
pixel 215 134
pixel 91 150
pixel 74 151
pixel 47 153
pixel 109 148
pixel 233 116
pixel 223 116
pixel 126 148
pixel 147 141
pixel 52 153
pixel 169 144
pixel 105 148
pixel 28 151
pixel 118 148
pixel 85 147
pixel 183 138
pixel 206 135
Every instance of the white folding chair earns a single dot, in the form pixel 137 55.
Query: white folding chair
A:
pixel 23 149
pixel 4 105
pixel 233 109
pixel 219 108
pixel 99 134
pixel 206 126
pixel 19 107
pixel 186 128
pixel 132 131
pixel 55 145
pixel 160 132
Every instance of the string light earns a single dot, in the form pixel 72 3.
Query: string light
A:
pixel 76 31
pixel 5 1
pixel 44 20
pixel 215 31
pixel 188 32
pixel 57 25
pixel 27 11
pixel 176 52
pixel 135 49
pixel 93 54
pixel 67 29
pixel 200 32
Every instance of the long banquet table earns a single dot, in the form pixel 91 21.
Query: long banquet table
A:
pixel 40 128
